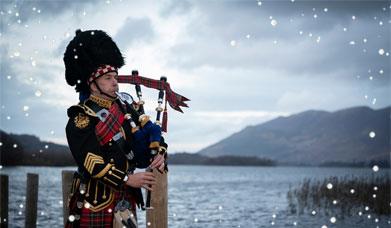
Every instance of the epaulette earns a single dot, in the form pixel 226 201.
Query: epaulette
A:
pixel 88 110
pixel 80 114
pixel 75 110
pixel 80 108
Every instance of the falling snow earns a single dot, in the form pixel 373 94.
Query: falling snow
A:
pixel 38 93
pixel 333 220
pixel 19 53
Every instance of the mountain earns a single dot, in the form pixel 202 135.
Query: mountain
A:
pixel 314 137
pixel 30 150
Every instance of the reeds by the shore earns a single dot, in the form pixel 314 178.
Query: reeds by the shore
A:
pixel 343 196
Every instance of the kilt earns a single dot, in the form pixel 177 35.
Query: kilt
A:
pixel 104 217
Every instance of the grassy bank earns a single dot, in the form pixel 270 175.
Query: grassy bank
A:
pixel 344 196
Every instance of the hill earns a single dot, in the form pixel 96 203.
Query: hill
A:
pixel 314 138
pixel 30 150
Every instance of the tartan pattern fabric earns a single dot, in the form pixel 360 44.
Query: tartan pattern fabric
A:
pixel 174 100
pixel 104 218
pixel 111 126
pixel 101 71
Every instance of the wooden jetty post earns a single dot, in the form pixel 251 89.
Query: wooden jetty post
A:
pixel 67 177
pixel 157 217
pixel 4 201
pixel 31 200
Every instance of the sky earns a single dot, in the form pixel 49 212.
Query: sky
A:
pixel 240 62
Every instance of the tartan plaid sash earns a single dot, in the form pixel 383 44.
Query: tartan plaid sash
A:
pixel 174 100
pixel 110 126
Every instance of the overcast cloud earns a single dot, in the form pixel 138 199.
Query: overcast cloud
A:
pixel 240 62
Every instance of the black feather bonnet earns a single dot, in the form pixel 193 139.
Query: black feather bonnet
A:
pixel 86 52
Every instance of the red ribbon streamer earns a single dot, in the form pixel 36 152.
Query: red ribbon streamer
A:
pixel 165 118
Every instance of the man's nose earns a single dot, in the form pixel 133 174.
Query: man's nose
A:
pixel 115 81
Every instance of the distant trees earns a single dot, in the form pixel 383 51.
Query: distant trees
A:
pixel 11 152
pixel 29 150
pixel 228 160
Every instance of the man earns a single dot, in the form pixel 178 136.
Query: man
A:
pixel 106 137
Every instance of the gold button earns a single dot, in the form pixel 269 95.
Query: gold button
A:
pixel 95 202
pixel 110 172
pixel 111 160
pixel 110 144
pixel 104 197
pixel 113 168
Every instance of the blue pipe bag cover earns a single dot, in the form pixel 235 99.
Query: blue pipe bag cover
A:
pixel 142 138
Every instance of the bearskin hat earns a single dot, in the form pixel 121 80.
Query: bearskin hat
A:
pixel 86 52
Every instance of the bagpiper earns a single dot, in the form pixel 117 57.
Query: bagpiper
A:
pixel 108 137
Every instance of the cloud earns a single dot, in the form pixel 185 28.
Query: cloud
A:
pixel 303 46
pixel 22 12
pixel 134 30
pixel 175 7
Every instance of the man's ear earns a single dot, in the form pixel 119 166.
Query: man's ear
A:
pixel 93 87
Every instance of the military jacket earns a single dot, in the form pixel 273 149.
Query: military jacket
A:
pixel 104 167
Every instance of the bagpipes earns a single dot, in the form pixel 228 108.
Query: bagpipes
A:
pixel 150 133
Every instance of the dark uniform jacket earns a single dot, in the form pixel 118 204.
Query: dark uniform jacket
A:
pixel 102 167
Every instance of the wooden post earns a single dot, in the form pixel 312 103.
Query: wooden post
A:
pixel 31 200
pixel 4 201
pixel 157 217
pixel 67 178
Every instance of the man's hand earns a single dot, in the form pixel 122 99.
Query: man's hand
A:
pixel 143 179
pixel 158 162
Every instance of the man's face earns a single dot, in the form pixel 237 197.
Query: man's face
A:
pixel 108 83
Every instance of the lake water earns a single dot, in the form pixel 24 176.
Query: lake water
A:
pixel 206 196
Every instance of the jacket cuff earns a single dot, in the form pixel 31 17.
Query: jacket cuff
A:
pixel 113 176
pixel 106 172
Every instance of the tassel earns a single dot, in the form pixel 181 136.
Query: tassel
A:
pixel 165 118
